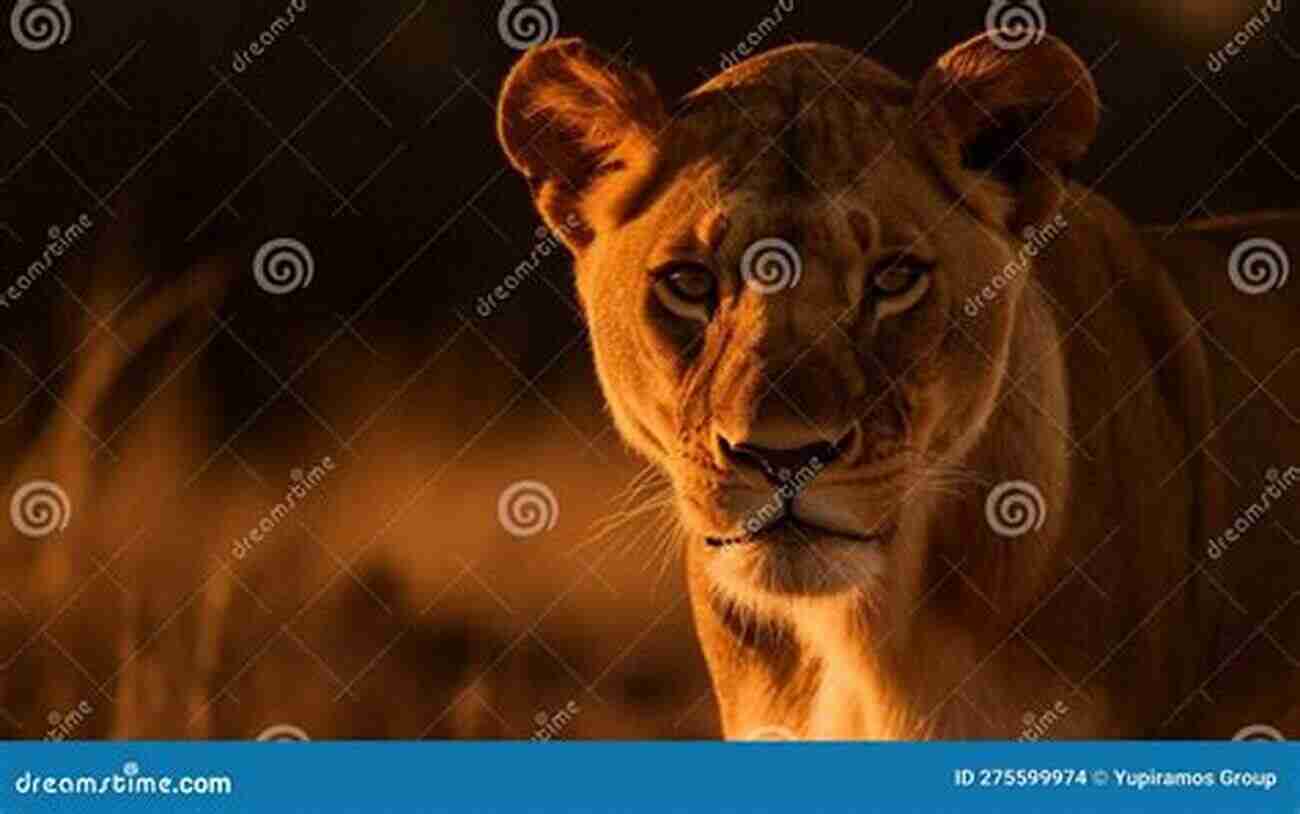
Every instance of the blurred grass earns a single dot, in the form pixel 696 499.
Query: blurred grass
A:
pixel 390 603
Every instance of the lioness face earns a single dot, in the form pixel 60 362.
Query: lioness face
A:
pixel 774 277
pixel 781 345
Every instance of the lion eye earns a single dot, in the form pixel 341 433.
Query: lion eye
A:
pixel 687 289
pixel 692 283
pixel 897 279
pixel 899 284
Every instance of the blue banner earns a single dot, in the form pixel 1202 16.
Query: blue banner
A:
pixel 783 778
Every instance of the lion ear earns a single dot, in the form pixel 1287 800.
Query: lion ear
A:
pixel 1015 117
pixel 565 111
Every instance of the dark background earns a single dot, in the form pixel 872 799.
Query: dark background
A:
pixel 393 604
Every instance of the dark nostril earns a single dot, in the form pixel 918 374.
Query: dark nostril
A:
pixel 745 455
pixel 780 465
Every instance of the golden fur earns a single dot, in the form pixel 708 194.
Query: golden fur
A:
pixel 1122 375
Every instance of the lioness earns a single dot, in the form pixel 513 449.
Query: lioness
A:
pixel 961 453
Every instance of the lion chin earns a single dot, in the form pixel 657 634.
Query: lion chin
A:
pixel 946 432
pixel 805 540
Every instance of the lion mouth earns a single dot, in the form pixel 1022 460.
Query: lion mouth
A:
pixel 792 530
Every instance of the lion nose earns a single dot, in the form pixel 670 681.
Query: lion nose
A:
pixel 779 465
